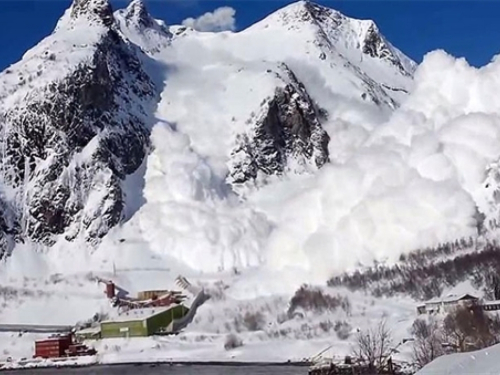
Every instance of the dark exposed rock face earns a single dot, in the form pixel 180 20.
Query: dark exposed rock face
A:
pixel 68 145
pixel 136 23
pixel 288 129
pixel 99 10
pixel 137 13
pixel 374 45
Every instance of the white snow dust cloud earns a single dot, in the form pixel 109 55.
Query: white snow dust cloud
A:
pixel 221 19
pixel 411 182
pixel 188 216
pixel 415 182
pixel 396 185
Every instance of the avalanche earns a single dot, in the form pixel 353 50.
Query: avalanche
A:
pixel 413 161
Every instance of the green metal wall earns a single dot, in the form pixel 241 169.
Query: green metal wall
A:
pixel 136 328
pixel 165 318
pixel 148 327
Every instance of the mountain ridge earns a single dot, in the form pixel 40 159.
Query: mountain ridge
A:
pixel 271 114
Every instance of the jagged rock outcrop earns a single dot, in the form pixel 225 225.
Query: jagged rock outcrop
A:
pixel 375 45
pixel 489 209
pixel 287 134
pixel 138 26
pixel 137 13
pixel 92 10
pixel 69 142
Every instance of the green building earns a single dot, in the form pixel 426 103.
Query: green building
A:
pixel 142 322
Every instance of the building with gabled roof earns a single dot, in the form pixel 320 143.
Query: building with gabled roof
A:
pixel 445 304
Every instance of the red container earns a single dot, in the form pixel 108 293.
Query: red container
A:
pixel 52 347
pixel 110 290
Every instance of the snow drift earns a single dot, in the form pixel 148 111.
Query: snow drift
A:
pixel 482 362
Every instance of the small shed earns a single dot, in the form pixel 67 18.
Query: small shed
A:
pixel 90 333
pixel 142 322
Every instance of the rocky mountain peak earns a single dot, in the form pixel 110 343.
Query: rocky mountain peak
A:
pixel 138 13
pixel 302 12
pixel 335 32
pixel 93 10
pixel 374 44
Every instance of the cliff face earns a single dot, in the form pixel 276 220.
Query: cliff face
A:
pixel 286 134
pixel 68 142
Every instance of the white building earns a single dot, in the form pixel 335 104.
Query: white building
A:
pixel 446 304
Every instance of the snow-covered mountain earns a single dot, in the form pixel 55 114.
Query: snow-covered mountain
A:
pixel 74 114
pixel 250 162
pixel 77 111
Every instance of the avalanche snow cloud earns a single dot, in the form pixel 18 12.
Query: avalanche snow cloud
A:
pixel 415 181
pixel 405 171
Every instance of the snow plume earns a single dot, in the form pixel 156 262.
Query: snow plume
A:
pixel 415 182
pixel 188 214
pixel 221 19
pixel 412 181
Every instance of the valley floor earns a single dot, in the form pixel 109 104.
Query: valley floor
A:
pixel 69 299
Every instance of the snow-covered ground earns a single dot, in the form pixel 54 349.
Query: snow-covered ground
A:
pixel 484 362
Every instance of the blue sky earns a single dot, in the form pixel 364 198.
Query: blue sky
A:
pixel 464 28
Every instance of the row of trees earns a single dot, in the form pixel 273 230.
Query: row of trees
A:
pixel 426 280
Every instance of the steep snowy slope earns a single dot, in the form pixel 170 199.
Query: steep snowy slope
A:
pixel 74 116
pixel 245 110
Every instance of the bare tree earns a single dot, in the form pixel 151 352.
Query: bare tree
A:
pixel 429 340
pixel 373 346
pixel 469 328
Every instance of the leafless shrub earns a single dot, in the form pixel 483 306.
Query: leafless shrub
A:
pixel 345 304
pixel 326 326
pixel 373 346
pixel 428 343
pixel 200 338
pixel 254 321
pixel 281 318
pixel 314 299
pixel 238 323
pixel 232 342
pixel 342 329
pixel 8 292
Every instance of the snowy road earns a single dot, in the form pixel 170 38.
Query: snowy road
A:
pixel 34 328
